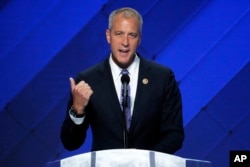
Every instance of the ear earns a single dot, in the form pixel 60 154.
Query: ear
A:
pixel 108 35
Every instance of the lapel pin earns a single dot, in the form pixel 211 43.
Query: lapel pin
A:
pixel 145 81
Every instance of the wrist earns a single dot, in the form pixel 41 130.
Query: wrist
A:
pixel 75 113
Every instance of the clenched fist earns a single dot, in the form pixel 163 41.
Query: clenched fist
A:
pixel 81 93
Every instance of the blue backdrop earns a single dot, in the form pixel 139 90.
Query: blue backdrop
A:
pixel 44 42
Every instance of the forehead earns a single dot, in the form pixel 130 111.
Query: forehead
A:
pixel 120 21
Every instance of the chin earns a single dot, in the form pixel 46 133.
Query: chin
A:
pixel 123 64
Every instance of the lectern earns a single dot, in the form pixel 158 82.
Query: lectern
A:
pixel 127 158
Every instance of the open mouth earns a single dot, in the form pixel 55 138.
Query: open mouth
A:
pixel 123 51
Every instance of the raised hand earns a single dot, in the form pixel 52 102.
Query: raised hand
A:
pixel 81 93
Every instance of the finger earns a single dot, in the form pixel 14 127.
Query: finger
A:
pixel 89 93
pixel 72 83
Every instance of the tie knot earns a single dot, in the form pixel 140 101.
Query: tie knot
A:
pixel 124 72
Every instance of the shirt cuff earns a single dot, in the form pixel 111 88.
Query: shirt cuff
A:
pixel 77 121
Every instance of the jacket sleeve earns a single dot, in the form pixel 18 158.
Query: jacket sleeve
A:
pixel 73 135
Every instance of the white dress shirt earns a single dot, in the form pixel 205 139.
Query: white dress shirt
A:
pixel 133 70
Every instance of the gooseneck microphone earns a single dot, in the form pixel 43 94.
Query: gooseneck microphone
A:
pixel 125 81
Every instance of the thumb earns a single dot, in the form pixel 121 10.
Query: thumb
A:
pixel 72 83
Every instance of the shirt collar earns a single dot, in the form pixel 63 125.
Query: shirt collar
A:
pixel 116 70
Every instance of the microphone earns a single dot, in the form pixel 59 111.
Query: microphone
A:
pixel 125 81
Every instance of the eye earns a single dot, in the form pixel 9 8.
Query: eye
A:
pixel 118 33
pixel 133 35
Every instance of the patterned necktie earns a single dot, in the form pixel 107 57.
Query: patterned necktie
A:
pixel 127 105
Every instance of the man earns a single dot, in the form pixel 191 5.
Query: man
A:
pixel 155 100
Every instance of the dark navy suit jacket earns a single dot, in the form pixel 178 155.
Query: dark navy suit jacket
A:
pixel 157 122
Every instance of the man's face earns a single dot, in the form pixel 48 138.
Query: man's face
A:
pixel 124 38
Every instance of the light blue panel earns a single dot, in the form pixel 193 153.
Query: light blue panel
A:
pixel 217 68
pixel 42 43
pixel 162 22
pixel 201 34
pixel 18 18
pixel 192 53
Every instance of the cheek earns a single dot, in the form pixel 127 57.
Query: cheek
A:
pixel 135 44
pixel 114 42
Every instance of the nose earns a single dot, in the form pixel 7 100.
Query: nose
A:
pixel 125 41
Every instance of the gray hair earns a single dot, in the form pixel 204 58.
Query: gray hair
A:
pixel 126 12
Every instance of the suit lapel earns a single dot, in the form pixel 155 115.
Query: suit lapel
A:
pixel 142 91
pixel 109 90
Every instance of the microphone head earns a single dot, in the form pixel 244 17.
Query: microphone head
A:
pixel 125 79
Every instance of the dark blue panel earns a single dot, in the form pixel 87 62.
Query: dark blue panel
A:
pixel 192 163
pixel 11 133
pixel 241 132
pixel 229 111
pixel 163 20
pixel 88 47
pixel 43 36
pixel 219 154
pixel 48 129
pixel 53 164
pixel 201 134
pixel 31 152
pixel 231 105
pixel 3 3
pixel 31 105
